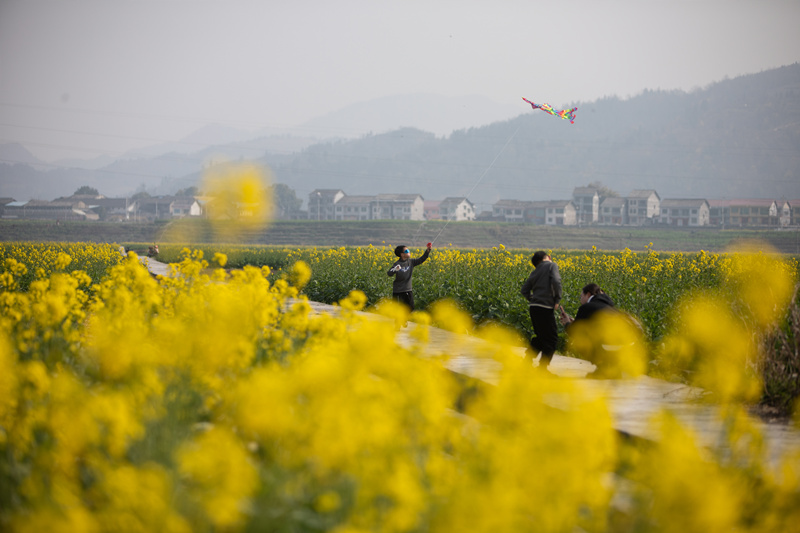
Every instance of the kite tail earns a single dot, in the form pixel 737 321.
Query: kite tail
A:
pixel 571 115
pixel 566 114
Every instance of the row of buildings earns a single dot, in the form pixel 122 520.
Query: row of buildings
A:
pixel 87 207
pixel 334 204
pixel 587 206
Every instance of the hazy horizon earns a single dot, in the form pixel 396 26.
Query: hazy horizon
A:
pixel 86 78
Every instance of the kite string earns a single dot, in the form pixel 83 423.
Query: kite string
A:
pixel 479 179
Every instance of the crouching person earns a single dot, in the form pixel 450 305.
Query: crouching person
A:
pixel 601 334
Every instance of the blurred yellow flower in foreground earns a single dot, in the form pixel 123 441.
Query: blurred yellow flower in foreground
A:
pixel 612 341
pixel 764 282
pixel 238 202
pixel 211 402
pixel 714 346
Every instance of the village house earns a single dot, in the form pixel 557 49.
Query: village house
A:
pixel 113 209
pixel 536 212
pixel 3 202
pixel 784 213
pixel 153 208
pixel 789 212
pixel 587 204
pixel 456 209
pixel 399 207
pixel 684 212
pixel 643 207
pixel 560 213
pixel 321 203
pixel 743 213
pixel 521 211
pixel 381 206
pixel 185 206
pixel 55 210
pixel 612 211
pixel 432 210
pixel 354 208
pixel 510 210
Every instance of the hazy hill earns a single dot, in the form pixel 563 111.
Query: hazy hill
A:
pixel 12 153
pixel 434 113
pixel 158 174
pixel 735 138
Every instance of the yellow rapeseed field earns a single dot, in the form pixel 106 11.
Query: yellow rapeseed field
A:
pixel 215 401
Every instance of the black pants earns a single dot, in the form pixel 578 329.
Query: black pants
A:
pixel 545 331
pixel 406 298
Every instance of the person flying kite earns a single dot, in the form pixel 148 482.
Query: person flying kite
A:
pixel 566 114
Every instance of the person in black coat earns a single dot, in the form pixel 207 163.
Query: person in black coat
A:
pixel 601 336
pixel 593 299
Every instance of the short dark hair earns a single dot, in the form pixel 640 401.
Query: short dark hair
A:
pixel 399 249
pixel 593 289
pixel 538 257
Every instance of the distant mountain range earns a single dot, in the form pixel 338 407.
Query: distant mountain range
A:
pixel 13 153
pixel 433 113
pixel 735 138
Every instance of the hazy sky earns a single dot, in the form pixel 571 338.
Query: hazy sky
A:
pixel 78 77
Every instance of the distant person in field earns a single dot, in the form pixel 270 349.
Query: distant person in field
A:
pixel 542 290
pixel 402 269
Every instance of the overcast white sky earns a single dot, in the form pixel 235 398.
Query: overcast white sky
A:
pixel 79 77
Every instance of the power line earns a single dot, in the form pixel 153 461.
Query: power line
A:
pixel 479 179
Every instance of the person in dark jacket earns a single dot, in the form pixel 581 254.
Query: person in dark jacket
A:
pixel 402 269
pixel 609 338
pixel 593 299
pixel 542 290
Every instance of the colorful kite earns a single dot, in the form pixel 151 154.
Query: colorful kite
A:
pixel 566 114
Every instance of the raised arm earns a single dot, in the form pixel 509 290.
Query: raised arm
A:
pixel 421 259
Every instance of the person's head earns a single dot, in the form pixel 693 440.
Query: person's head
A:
pixel 402 251
pixel 538 257
pixel 592 289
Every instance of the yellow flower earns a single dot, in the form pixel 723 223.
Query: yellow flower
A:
pixel 220 259
pixel 219 475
